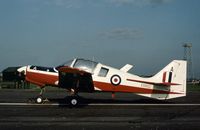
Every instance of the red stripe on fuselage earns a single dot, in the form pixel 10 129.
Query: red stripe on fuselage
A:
pixel 153 83
pixel 41 79
pixel 130 89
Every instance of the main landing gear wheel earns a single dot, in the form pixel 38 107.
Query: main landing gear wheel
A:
pixel 39 100
pixel 73 101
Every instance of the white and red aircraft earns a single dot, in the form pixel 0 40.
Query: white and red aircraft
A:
pixel 80 75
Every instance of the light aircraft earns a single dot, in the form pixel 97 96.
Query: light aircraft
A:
pixel 81 75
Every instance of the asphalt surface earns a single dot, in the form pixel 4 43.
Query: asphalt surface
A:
pixel 97 111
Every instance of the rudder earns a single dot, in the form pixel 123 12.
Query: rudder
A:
pixel 174 76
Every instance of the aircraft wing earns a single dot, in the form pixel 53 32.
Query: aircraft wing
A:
pixel 67 69
pixel 74 78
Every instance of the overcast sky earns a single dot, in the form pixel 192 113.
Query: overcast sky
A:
pixel 145 33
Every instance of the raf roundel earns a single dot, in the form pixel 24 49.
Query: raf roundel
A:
pixel 115 80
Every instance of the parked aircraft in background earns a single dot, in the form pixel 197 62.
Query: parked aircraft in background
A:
pixel 80 75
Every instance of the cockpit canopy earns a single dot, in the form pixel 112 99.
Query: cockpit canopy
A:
pixel 82 64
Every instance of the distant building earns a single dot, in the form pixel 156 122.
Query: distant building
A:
pixel 194 82
pixel 11 74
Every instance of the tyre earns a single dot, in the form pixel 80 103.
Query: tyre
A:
pixel 39 100
pixel 73 101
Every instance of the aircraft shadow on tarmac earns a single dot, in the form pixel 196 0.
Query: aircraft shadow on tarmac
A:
pixel 64 102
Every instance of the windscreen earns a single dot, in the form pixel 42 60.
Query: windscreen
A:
pixel 85 65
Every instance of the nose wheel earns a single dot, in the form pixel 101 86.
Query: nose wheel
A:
pixel 39 100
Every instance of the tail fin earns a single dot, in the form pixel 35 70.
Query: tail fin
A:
pixel 173 76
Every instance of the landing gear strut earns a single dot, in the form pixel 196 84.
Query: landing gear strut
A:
pixel 40 99
pixel 73 100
